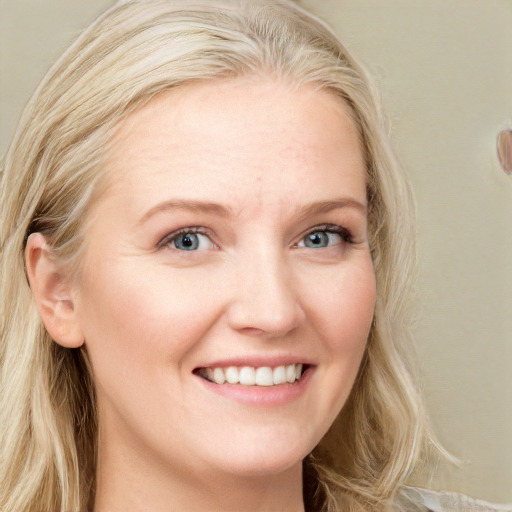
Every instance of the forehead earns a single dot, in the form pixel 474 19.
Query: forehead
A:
pixel 233 135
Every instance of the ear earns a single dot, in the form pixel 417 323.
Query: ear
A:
pixel 52 291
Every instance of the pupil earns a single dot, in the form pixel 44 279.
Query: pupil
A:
pixel 317 239
pixel 187 241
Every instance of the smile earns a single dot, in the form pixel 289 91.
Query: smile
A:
pixel 253 376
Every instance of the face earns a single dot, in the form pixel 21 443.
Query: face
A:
pixel 227 289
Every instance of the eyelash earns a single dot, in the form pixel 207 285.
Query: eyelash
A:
pixel 167 239
pixel 344 233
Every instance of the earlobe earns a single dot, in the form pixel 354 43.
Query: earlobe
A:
pixel 52 291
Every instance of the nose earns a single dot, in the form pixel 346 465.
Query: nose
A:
pixel 265 299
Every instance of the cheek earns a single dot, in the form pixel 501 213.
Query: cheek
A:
pixel 135 324
pixel 341 313
pixel 343 308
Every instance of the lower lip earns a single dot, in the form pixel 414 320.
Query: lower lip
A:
pixel 262 395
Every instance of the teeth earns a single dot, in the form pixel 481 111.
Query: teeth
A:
pixel 218 375
pixel 290 373
pixel 251 376
pixel 264 376
pixel 248 376
pixel 232 375
pixel 279 375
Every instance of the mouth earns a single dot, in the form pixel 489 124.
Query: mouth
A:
pixel 266 376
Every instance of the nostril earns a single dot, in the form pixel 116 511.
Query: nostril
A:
pixel 252 331
pixel 253 323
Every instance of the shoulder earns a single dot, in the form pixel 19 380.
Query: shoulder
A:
pixel 448 501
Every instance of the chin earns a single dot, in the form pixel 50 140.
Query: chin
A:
pixel 264 465
pixel 276 453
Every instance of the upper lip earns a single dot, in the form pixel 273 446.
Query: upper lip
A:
pixel 258 361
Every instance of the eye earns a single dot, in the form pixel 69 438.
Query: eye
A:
pixel 324 237
pixel 189 240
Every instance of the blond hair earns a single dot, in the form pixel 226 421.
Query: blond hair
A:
pixel 50 178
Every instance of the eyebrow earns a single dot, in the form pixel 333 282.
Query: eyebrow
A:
pixel 220 210
pixel 335 204
pixel 187 205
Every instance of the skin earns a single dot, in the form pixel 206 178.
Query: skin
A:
pixel 151 314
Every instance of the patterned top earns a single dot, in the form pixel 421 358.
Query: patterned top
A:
pixel 449 502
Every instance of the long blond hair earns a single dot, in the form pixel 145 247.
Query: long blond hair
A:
pixel 134 51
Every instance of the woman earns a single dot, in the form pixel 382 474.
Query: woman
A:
pixel 202 223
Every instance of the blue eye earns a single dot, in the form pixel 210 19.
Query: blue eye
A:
pixel 322 238
pixel 190 241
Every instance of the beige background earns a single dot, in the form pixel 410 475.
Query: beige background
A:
pixel 445 69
